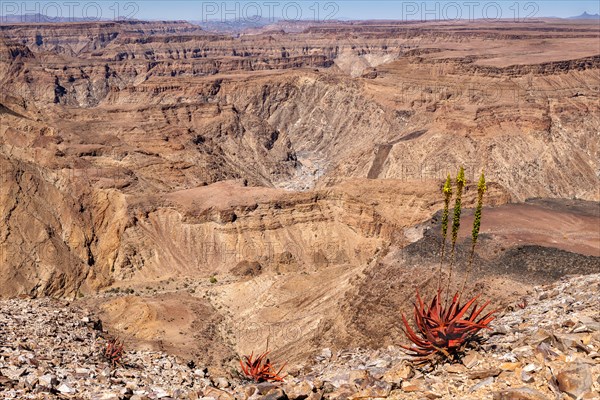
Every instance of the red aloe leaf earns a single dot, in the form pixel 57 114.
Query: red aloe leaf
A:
pixel 464 309
pixel 451 310
pixel 487 318
pixel 412 336
pixel 420 301
pixel 419 351
pixel 477 311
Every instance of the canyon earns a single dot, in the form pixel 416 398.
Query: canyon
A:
pixel 202 190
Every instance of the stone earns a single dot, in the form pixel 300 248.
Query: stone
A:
pixel 328 387
pixel 315 396
pixel 575 380
pixel 377 372
pixel 455 368
pixel 344 392
pixel 249 390
pixel 47 380
pixel 526 377
pixel 31 381
pixel 485 382
pixel 339 379
pixel 377 390
pixel 265 387
pixel 298 391
pixel 82 372
pixel 217 394
pixel 483 374
pixel 590 323
pixel 7 382
pixel 412 386
pixel 523 393
pixel 221 383
pixel 566 341
pixel 160 393
pixel 199 373
pixel 546 352
pixel 398 373
pixel 471 360
pixel 326 353
pixel 359 377
pixel 13 374
pixel 247 269
pixel 65 389
pixel 275 394
pixel 523 351
pixel 509 366
pixel 531 368
pixel 379 363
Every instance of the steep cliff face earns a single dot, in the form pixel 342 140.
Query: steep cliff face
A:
pixel 45 236
pixel 299 129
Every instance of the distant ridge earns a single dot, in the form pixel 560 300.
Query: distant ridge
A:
pixel 40 19
pixel 236 25
pixel 585 15
pixel 46 19
pixel 256 22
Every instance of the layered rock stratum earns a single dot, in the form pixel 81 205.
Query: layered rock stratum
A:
pixel 285 185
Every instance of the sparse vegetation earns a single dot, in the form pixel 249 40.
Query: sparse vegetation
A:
pixel 117 290
pixel 444 330
pixel 213 279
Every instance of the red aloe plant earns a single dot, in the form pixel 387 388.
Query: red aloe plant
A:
pixel 114 352
pixel 260 369
pixel 444 330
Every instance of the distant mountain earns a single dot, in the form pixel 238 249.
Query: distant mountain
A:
pixel 235 26
pixel 46 19
pixel 40 19
pixel 585 15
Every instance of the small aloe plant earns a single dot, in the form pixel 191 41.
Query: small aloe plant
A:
pixel 113 352
pixel 259 369
pixel 444 330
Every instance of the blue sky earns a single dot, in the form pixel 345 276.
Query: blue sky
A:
pixel 299 9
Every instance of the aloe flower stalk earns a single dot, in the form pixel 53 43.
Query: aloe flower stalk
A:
pixel 481 189
pixel 460 184
pixel 447 191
